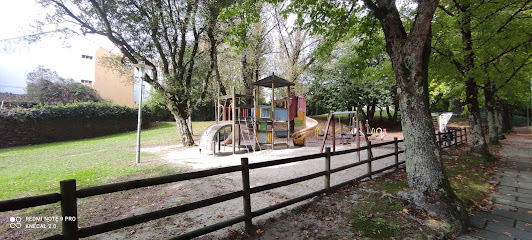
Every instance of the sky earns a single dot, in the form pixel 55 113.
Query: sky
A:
pixel 18 57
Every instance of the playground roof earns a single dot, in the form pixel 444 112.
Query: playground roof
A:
pixel 278 82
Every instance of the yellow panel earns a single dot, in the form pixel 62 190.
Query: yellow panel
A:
pixel 257 110
pixel 269 137
pixel 301 115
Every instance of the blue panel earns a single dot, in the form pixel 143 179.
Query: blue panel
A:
pixel 281 114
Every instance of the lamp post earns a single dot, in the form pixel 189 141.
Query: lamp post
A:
pixel 142 67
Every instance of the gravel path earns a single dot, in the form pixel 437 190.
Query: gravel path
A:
pixel 189 191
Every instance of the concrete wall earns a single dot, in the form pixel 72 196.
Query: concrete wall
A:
pixel 115 86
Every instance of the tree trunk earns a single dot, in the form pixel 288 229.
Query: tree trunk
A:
pixel 214 63
pixel 180 117
pixel 429 187
pixel 507 119
pixel 478 143
pixel 493 128
pixel 245 75
pixel 395 110
pixel 500 123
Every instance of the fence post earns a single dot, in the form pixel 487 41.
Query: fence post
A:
pixel 69 209
pixel 455 138
pixel 461 136
pixel 439 139
pixel 327 169
pixel 369 159
pixel 396 145
pixel 247 194
pixel 465 131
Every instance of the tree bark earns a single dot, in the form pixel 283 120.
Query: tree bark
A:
pixel 477 143
pixel 493 124
pixel 180 117
pixel 429 187
pixel 507 119
pixel 493 129
pixel 500 122
pixel 245 75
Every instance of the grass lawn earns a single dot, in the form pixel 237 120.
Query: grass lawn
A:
pixel 38 169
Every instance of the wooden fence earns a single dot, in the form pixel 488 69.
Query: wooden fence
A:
pixel 452 137
pixel 69 194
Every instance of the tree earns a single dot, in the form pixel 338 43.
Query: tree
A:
pixel 409 53
pixel 490 31
pixel 356 73
pixel 46 86
pixel 295 44
pixel 164 34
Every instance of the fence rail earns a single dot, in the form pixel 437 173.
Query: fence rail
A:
pixel 69 194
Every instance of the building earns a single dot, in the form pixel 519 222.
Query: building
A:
pixel 79 58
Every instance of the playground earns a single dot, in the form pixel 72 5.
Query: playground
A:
pixel 244 126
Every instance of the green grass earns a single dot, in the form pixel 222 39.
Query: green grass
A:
pixel 38 169
pixel 377 217
pixel 469 176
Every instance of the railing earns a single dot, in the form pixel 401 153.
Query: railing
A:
pixel 452 137
pixel 69 194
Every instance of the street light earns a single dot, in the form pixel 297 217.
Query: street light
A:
pixel 142 67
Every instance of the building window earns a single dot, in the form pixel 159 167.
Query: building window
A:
pixel 86 81
pixel 86 56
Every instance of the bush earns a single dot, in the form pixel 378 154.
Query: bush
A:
pixel 78 111
pixel 51 123
pixel 158 108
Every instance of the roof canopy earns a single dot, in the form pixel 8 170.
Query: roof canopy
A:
pixel 278 82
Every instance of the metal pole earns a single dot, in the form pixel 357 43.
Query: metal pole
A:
pixel 139 119
pixel 142 67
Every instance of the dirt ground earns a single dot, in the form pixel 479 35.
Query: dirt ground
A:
pixel 100 209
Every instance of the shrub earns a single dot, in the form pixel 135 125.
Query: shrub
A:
pixel 158 108
pixel 51 123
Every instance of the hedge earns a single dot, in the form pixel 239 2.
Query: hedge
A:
pixel 52 123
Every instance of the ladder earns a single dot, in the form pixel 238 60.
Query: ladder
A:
pixel 255 134
pixel 242 132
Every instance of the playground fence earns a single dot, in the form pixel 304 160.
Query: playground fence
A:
pixel 452 137
pixel 69 195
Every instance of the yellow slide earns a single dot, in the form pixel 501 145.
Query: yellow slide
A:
pixel 298 138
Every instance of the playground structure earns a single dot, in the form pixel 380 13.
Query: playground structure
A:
pixel 254 126
pixel 354 129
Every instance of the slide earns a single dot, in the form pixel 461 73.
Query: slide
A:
pixel 298 138
pixel 207 137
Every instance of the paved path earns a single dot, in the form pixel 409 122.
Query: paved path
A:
pixel 511 215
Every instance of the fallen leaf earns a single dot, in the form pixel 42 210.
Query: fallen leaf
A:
pixel 259 232
pixel 405 210
pixel 507 234
pixel 326 219
pixel 529 212
pixel 183 229
pixel 132 231
pixel 295 222
pixel 528 224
